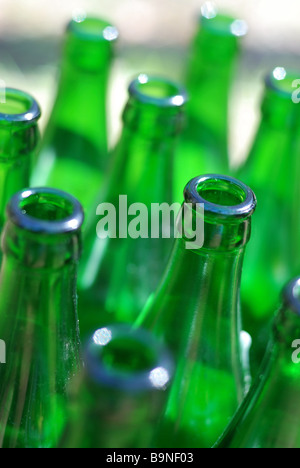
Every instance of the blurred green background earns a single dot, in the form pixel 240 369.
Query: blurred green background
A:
pixel 154 38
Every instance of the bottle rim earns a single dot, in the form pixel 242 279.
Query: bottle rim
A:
pixel 94 29
pixel 28 107
pixel 291 297
pixel 21 207
pixel 243 199
pixel 158 91
pixel 156 377
pixel 221 24
pixel 280 80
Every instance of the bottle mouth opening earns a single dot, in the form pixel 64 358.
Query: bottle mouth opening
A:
pixel 284 82
pixel 45 210
pixel 132 360
pixel 221 24
pixel 92 29
pixel 157 91
pixel 221 196
pixel 291 295
pixel 17 106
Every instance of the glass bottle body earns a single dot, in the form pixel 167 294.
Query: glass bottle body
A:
pixel 213 56
pixel 196 311
pixel 38 316
pixel 272 170
pixel 268 417
pixel 19 138
pixel 123 261
pixel 74 153
pixel 118 399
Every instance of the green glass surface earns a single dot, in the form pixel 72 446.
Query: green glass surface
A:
pixel 118 400
pixel 118 274
pixel 212 62
pixel 38 316
pixel 272 170
pixel 74 153
pixel 19 138
pixel 196 312
pixel 269 415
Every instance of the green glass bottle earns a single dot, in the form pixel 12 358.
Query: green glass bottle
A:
pixel 196 312
pixel 118 399
pixel 212 62
pixel 269 415
pixel 272 170
pixel 19 138
pixel 123 261
pixel 74 153
pixel 38 316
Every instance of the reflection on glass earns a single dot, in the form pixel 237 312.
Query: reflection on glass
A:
pixel 279 73
pixel 239 28
pixel 102 337
pixel 209 10
pixel 159 377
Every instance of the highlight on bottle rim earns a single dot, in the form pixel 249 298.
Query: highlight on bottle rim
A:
pixel 153 368
pixel 158 91
pixel 16 106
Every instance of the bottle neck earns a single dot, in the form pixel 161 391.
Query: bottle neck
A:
pixel 210 279
pixel 42 253
pixel 80 109
pixel 19 139
pixel 18 149
pixel 212 62
pixel 144 155
pixel 142 168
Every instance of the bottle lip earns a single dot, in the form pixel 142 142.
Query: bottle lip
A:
pixel 156 377
pixel 243 197
pixel 221 24
pixel 280 80
pixel 29 110
pixel 71 217
pixel 291 297
pixel 93 29
pixel 158 91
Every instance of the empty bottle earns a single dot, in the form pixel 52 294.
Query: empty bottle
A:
pixel 269 415
pixel 19 139
pixel 74 153
pixel 196 312
pixel 212 62
pixel 272 170
pixel 118 399
pixel 38 316
pixel 126 250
